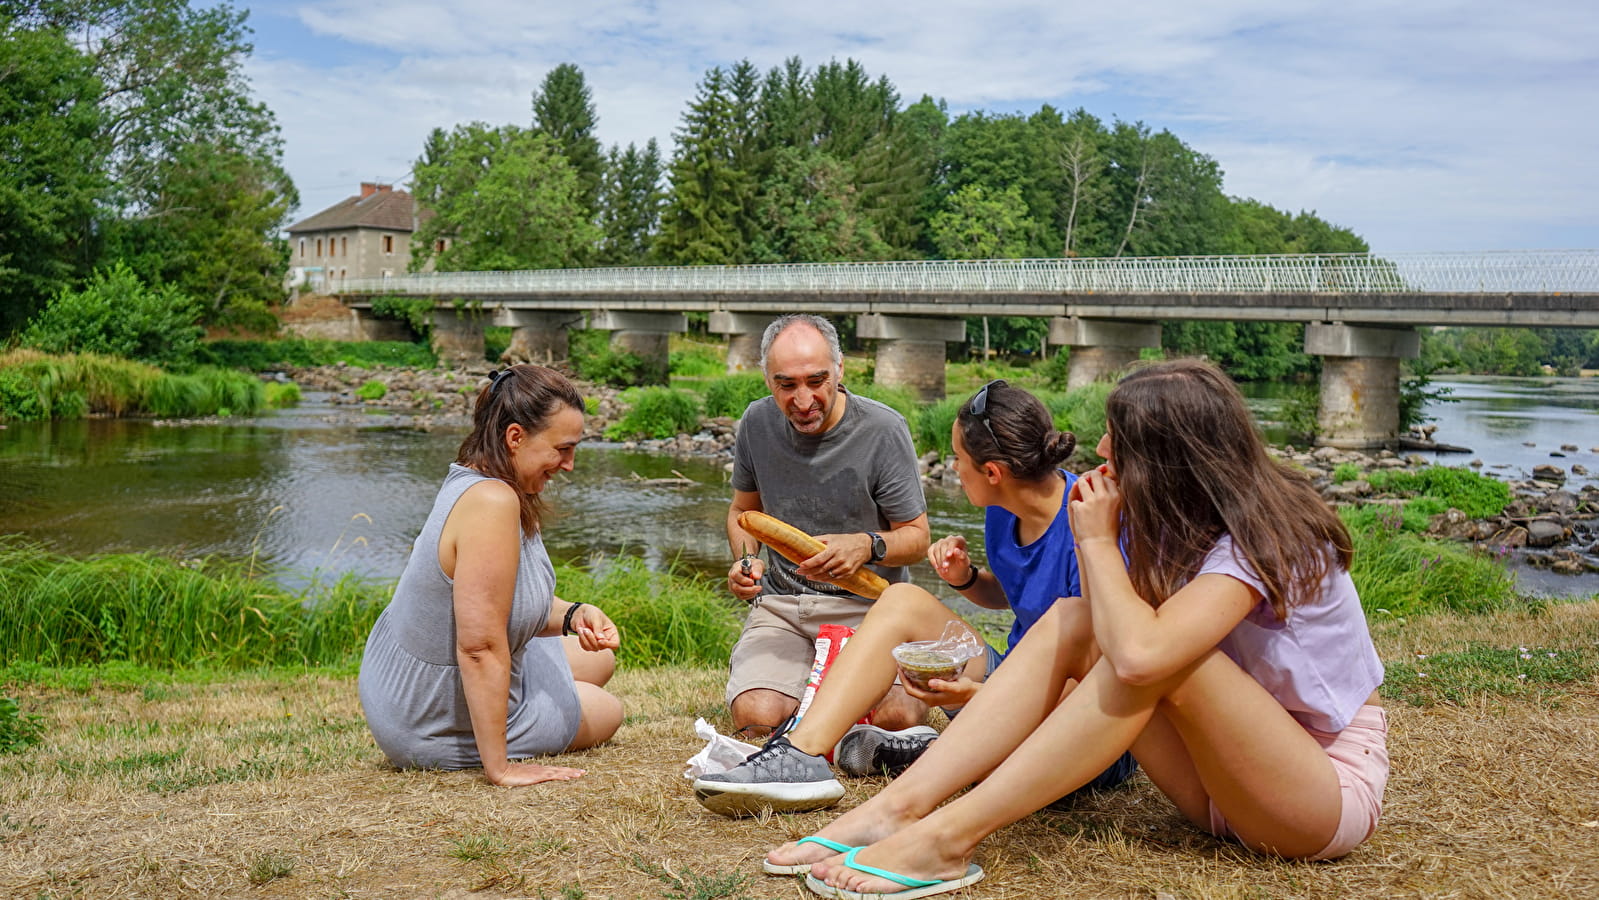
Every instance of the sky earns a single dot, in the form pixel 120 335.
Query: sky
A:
pixel 1422 126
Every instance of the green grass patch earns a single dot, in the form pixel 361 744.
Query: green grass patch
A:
pixel 1399 573
pixel 19 730
pixel 902 400
pixel 371 390
pixel 264 356
pixel 1478 496
pixel 1345 472
pixel 1459 675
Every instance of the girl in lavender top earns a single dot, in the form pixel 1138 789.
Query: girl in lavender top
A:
pixel 1229 653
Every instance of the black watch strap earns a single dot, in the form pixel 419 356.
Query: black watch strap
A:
pixel 566 623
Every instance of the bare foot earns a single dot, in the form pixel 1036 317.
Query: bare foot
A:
pixel 905 853
pixel 861 825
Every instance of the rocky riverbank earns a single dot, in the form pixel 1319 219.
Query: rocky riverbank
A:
pixel 1552 521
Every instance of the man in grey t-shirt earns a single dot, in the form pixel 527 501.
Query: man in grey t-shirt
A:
pixel 840 467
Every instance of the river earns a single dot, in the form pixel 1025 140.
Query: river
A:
pixel 315 492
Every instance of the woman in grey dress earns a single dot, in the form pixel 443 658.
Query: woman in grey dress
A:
pixel 476 662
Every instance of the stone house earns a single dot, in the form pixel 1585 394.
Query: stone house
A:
pixel 365 236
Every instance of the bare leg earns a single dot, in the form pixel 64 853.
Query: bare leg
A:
pixel 757 711
pixel 861 675
pixel 601 711
pixel 1266 774
pixel 595 667
pixel 1015 699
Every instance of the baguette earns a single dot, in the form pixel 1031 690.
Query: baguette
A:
pixel 797 546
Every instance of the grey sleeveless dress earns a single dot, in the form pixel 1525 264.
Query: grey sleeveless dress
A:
pixel 410 684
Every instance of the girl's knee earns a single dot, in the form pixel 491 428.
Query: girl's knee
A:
pixel 591 666
pixel 600 717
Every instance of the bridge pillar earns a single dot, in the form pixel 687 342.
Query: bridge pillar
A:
pixel 458 336
pixel 744 331
pixel 910 352
pixel 646 335
pixel 537 336
pixel 1100 348
pixel 1359 406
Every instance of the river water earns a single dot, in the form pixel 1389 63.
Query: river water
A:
pixel 315 492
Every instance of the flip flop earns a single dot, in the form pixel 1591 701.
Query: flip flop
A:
pixel 804 868
pixel 914 887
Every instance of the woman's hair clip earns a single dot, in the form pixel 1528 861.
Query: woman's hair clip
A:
pixel 495 379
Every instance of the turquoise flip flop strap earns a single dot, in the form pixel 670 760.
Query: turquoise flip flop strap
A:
pixel 834 846
pixel 849 860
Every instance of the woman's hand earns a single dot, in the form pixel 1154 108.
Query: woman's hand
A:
pixel 951 693
pixel 594 629
pixel 521 774
pixel 951 560
pixel 1095 505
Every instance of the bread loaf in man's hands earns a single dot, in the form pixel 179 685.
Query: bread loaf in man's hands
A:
pixel 797 546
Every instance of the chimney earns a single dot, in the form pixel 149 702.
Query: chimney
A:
pixel 369 188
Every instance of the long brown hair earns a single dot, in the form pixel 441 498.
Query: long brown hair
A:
pixel 525 395
pixel 1191 466
pixel 1014 428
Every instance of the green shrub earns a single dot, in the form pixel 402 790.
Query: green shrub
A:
pixel 656 412
pixel 118 315
pixel 417 312
pixel 697 361
pixel 596 362
pixel 18 730
pixel 372 390
pixel 730 395
pixel 496 340
pixel 1401 573
pixel 282 394
pixel 1345 472
pixel 1475 495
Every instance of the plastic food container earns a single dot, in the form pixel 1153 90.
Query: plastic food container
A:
pixel 919 663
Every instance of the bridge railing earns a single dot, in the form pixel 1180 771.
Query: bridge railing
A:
pixel 1511 271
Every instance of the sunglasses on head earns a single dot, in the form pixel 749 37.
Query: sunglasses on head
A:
pixel 979 406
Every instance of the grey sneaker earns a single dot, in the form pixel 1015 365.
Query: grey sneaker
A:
pixel 869 750
pixel 778 777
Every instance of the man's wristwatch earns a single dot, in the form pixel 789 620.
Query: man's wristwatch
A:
pixel 879 546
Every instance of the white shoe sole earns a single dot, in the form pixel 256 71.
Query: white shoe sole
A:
pixel 753 799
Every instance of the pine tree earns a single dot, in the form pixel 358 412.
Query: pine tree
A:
pixel 563 109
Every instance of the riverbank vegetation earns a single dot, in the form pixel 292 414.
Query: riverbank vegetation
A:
pixel 35 387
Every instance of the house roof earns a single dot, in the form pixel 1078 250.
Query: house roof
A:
pixel 383 207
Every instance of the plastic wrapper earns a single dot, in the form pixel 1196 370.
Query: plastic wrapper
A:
pixel 720 753
pixel 922 661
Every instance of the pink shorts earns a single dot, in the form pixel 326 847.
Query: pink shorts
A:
pixel 1359 754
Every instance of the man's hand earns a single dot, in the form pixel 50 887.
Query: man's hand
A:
pixel 842 555
pixel 744 578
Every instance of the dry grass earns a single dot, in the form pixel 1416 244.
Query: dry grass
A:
pixel 270 787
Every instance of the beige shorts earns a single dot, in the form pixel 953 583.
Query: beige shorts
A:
pixel 1359 753
pixel 779 640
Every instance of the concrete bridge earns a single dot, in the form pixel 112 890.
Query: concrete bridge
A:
pixel 1361 311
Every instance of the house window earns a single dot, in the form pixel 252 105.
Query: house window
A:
pixel 438 246
pixel 318 246
pixel 302 248
pixel 388 243
pixel 344 246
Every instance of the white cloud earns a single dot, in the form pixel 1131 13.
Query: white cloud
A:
pixel 1436 125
